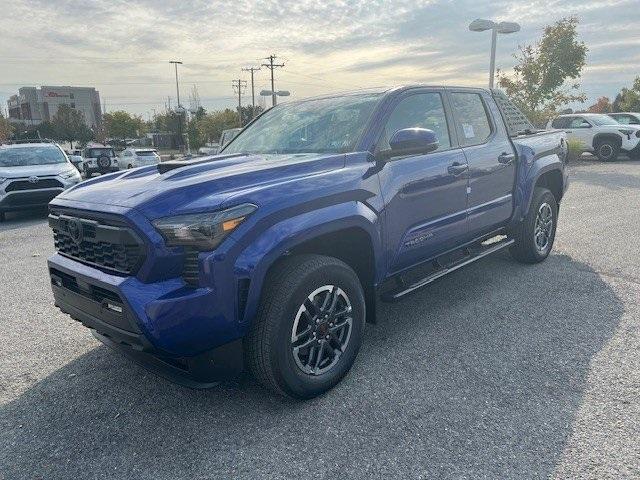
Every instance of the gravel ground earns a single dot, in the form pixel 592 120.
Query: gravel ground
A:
pixel 497 371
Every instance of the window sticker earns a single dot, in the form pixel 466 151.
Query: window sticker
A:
pixel 468 130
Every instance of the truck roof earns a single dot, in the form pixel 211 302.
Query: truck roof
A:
pixel 388 89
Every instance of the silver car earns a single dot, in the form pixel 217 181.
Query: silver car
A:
pixel 138 157
pixel 31 174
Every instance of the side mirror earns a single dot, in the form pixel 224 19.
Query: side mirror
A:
pixel 411 141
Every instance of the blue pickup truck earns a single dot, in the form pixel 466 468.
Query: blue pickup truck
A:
pixel 270 256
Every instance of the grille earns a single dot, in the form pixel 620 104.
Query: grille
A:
pixel 112 247
pixel 27 185
pixel 190 271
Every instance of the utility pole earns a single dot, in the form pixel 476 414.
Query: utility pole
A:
pixel 175 64
pixel 253 91
pixel 271 66
pixel 238 85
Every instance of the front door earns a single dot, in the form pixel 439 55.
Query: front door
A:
pixel 425 195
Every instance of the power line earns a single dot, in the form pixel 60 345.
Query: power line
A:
pixel 253 91
pixel 238 85
pixel 271 66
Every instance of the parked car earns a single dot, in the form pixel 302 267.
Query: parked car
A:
pixel 31 174
pixel 209 150
pixel 99 159
pixel 600 134
pixel 271 255
pixel 77 162
pixel 138 157
pixel 626 118
pixel 228 135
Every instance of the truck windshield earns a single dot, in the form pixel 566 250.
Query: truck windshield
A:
pixel 25 156
pixel 328 125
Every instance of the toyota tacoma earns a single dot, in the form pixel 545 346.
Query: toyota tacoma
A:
pixel 270 256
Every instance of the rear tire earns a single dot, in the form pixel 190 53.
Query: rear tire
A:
pixel 534 236
pixel 296 347
pixel 607 150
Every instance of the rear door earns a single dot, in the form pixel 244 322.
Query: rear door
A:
pixel 490 156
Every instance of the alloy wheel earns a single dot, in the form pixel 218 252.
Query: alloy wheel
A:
pixel 321 330
pixel 543 228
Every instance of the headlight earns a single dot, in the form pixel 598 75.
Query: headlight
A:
pixel 204 231
pixel 2 179
pixel 69 174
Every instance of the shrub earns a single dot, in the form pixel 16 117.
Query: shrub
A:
pixel 575 149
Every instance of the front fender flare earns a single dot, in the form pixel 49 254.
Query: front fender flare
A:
pixel 255 260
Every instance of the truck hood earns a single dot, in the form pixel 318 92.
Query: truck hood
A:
pixel 199 185
pixel 35 170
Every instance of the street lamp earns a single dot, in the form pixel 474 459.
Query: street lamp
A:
pixel 481 25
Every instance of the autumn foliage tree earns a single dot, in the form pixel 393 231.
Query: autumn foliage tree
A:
pixel 602 105
pixel 6 129
pixel 546 75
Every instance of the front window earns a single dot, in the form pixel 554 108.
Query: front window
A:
pixel 601 120
pixel 421 110
pixel 328 125
pixel 26 156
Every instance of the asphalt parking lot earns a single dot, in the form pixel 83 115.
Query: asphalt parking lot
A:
pixel 497 371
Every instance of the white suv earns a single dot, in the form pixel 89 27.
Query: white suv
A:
pixel 600 134
pixel 31 174
pixel 138 157
pixel 99 159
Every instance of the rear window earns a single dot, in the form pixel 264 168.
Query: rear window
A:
pixel 99 152
pixel 561 122
pixel 472 123
pixel 146 153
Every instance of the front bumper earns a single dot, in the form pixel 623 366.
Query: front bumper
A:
pixel 27 199
pixel 173 330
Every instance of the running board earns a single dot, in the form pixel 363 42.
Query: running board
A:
pixel 442 270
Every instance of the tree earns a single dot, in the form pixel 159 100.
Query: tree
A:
pixel 69 125
pixel 628 100
pixel 122 125
pixel 247 113
pixel 6 129
pixel 539 81
pixel 602 105
pixel 212 124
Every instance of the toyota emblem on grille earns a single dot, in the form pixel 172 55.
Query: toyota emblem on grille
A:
pixel 34 179
pixel 74 228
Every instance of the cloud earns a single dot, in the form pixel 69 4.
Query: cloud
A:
pixel 123 47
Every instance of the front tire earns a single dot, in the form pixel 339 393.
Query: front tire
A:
pixel 534 236
pixel 607 150
pixel 309 326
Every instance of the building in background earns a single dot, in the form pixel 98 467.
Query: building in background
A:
pixel 34 105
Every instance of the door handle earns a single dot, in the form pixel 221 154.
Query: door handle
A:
pixel 506 158
pixel 457 168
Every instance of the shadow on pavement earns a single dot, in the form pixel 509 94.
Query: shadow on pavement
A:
pixel 23 219
pixel 479 375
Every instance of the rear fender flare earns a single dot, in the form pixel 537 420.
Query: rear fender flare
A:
pixel 527 186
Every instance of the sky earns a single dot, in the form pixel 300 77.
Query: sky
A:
pixel 122 48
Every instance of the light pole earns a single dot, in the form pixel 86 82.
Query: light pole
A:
pixel 480 25
pixel 175 64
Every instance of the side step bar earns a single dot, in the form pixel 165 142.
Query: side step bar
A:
pixel 471 255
